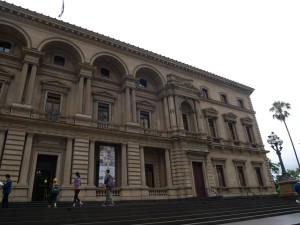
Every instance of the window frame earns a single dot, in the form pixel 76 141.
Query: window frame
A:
pixel 59 57
pixel 148 115
pixel 6 42
pixel 221 179
pixel 240 170
pixel 240 103
pixel 143 83
pixel 108 106
pixel 205 93
pixel 223 98
pixel 103 74
pixel 60 101
pixel 259 176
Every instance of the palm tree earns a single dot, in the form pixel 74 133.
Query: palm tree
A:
pixel 280 113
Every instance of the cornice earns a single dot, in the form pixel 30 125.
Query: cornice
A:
pixel 34 17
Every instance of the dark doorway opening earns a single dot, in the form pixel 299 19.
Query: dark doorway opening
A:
pixel 44 174
pixel 199 180
pixel 149 174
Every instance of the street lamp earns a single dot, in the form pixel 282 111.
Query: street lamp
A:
pixel 276 143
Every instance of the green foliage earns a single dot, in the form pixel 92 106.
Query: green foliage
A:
pixel 293 174
pixel 275 167
pixel 279 108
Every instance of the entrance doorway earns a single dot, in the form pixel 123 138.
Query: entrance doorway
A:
pixel 44 174
pixel 149 174
pixel 199 180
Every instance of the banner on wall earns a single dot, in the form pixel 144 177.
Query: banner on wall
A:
pixel 107 161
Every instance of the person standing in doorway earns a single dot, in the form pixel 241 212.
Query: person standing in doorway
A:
pixel 76 187
pixel 6 191
pixel 109 184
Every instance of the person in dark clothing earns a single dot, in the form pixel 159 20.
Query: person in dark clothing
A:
pixel 109 184
pixel 297 189
pixel 6 189
pixel 54 191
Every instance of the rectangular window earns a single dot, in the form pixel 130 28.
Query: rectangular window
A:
pixel 5 46
pixel 104 73
pixel 211 126
pixel 232 131
pixel 204 93
pixel 53 103
pixel 145 119
pixel 240 103
pixel 223 98
pixel 220 175
pixel 143 83
pixel 59 60
pixel 259 176
pixel 241 176
pixel 185 121
pixel 103 112
pixel 249 133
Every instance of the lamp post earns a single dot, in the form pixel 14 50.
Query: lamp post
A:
pixel 276 144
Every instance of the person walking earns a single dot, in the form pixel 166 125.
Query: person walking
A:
pixel 6 189
pixel 109 184
pixel 54 191
pixel 297 189
pixel 76 187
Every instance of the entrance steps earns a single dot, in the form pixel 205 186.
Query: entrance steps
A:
pixel 185 211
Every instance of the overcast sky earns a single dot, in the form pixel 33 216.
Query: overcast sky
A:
pixel 255 42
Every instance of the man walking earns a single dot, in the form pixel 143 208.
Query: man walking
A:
pixel 109 184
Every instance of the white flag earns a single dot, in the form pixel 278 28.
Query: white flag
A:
pixel 62 9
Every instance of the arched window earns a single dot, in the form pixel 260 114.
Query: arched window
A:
pixel 5 47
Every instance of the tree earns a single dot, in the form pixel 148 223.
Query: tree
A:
pixel 280 113
pixel 294 174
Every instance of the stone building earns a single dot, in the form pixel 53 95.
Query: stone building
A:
pixel 74 100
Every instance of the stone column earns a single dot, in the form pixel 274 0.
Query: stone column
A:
pixel 198 116
pixel 88 97
pixel 67 162
pixel 22 82
pixel 172 112
pixel 31 84
pixel 2 140
pixel 26 160
pixel 133 103
pixel 168 168
pixel 127 106
pixel 194 122
pixel 4 93
pixel 167 115
pixel 91 173
pixel 80 94
pixel 124 166
pixel 143 176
